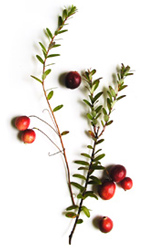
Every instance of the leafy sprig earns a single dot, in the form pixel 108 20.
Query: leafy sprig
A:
pixel 44 60
pixel 99 118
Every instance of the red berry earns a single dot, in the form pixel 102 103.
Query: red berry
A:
pixel 126 183
pixel 106 224
pixel 73 80
pixel 22 122
pixel 107 189
pixel 118 173
pixel 28 136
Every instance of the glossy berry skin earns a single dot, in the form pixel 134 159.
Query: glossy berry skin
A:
pixel 73 80
pixel 126 183
pixel 117 173
pixel 107 189
pixel 28 136
pixel 22 123
pixel 105 224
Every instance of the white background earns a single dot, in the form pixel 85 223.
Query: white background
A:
pixel 33 188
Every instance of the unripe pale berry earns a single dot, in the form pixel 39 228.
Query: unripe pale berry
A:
pixel 28 136
pixel 73 80
pixel 22 123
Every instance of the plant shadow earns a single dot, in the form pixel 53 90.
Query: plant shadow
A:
pixel 12 123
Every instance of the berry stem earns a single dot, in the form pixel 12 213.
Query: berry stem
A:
pixel 44 122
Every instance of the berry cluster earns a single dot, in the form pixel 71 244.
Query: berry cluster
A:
pixel 27 135
pixel 117 175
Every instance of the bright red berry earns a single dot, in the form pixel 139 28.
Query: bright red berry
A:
pixel 22 122
pixel 28 136
pixel 126 183
pixel 118 173
pixel 105 224
pixel 73 80
pixel 107 189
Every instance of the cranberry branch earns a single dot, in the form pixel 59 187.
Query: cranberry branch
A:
pixel 99 118
pixel 66 14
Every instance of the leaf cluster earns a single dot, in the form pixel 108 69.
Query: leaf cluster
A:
pixel 46 49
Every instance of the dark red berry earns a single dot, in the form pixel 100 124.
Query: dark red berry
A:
pixel 118 173
pixel 107 189
pixel 28 136
pixel 73 80
pixel 126 183
pixel 22 122
pixel 106 224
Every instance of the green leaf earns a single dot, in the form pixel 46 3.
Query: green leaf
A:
pixel 50 95
pixel 104 111
pixel 71 207
pixel 109 104
pixel 122 87
pixel 95 85
pixel 57 108
pixel 80 196
pixel 120 97
pixel 65 13
pixel 98 109
pixel 110 122
pixel 46 73
pixel 60 21
pixel 64 132
pixel 43 47
pixel 77 185
pixel 89 116
pixel 97 96
pixel 112 91
pixel 100 141
pixel 36 78
pixel 86 155
pixel 79 176
pixel 70 215
pixel 40 59
pixel 106 118
pixel 56 45
pixel 83 168
pixel 53 55
pixel 90 194
pixel 86 211
pixel 49 33
pixel 96 180
pixel 80 162
pixel 88 103
pixel 79 221
pixel 97 167
pixel 99 157
pixel 61 31
pixel 89 147
pixel 110 96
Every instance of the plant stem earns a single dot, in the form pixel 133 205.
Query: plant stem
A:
pixel 44 122
pixel 48 138
pixel 53 116
pixel 85 187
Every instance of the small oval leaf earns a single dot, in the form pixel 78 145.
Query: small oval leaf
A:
pixel 50 95
pixel 57 108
